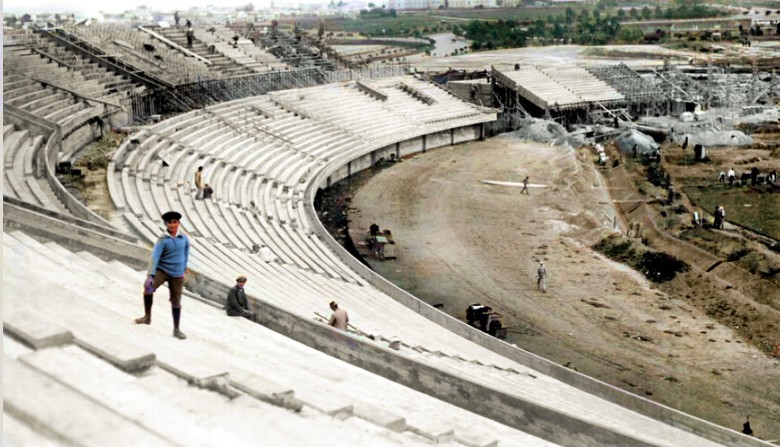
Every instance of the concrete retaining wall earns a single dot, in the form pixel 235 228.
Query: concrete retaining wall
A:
pixel 372 356
pixel 438 139
pixel 409 147
pixel 464 134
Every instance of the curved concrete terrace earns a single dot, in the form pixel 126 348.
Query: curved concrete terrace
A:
pixel 547 400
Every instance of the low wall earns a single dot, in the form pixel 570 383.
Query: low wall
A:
pixel 409 147
pixel 73 234
pixel 530 417
pixel 595 387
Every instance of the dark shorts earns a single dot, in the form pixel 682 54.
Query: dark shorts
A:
pixel 175 286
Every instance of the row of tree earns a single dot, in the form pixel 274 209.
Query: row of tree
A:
pixel 586 28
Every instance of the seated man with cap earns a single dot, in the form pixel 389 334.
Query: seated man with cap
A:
pixel 168 265
pixel 237 304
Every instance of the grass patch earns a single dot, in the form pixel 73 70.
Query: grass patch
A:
pixel 97 154
pixel 754 208
pixel 656 266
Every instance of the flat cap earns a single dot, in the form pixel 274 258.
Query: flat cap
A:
pixel 171 215
pixel 241 278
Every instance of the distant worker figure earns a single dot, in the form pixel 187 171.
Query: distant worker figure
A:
pixel 685 143
pixel 722 177
pixel 633 151
pixel 237 304
pixel 339 318
pixel 199 183
pixel 720 217
pixel 208 191
pixel 541 278
pixel 190 34
pixel 732 176
pixel 266 254
pixel 670 196
pixel 746 427
pixel 168 265
pixel 176 18
pixel 525 186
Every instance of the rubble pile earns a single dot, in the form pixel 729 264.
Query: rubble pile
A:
pixel 546 131
pixel 644 143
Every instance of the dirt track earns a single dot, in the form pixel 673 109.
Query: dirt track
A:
pixel 461 241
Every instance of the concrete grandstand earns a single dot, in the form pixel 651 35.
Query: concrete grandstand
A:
pixel 286 378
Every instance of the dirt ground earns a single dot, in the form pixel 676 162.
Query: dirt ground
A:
pixel 460 241
pixel 551 56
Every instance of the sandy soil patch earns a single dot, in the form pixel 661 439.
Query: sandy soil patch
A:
pixel 461 241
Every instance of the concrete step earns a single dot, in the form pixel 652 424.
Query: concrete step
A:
pixel 121 392
pixel 28 326
pixel 40 401
pixel 183 364
pixel 12 144
pixel 17 433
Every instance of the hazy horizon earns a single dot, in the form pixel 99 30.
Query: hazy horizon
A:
pixel 94 6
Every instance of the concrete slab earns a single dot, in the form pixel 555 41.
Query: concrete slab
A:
pixel 30 328
pixel 475 439
pixel 380 416
pixel 59 412
pixel 125 356
pixel 431 430
pixel 265 390
pixel 16 433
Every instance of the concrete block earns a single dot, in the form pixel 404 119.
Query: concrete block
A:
pixel 328 403
pixel 475 439
pixel 380 417
pixel 265 390
pixel 125 356
pixel 196 372
pixel 33 330
pixel 431 430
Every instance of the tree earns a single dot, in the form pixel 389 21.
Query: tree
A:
pixel 371 5
pixel 570 15
pixel 646 13
pixel 26 18
pixel 633 13
pixel 621 14
pixel 659 12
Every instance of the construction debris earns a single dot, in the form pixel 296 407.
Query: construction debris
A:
pixel 546 131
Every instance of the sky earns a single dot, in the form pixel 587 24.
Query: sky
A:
pixel 86 6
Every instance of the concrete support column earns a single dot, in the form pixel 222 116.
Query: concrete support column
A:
pixel 452 137
pixel 425 143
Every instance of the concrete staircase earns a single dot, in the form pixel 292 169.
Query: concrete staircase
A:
pixel 232 382
pixel 19 180
pixel 220 63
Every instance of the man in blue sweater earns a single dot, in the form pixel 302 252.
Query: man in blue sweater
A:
pixel 169 262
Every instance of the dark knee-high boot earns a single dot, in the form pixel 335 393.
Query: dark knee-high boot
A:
pixel 147 318
pixel 176 312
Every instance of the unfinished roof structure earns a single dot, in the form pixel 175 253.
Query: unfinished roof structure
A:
pixel 559 88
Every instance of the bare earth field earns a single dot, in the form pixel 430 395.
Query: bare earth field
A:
pixel 552 56
pixel 460 241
